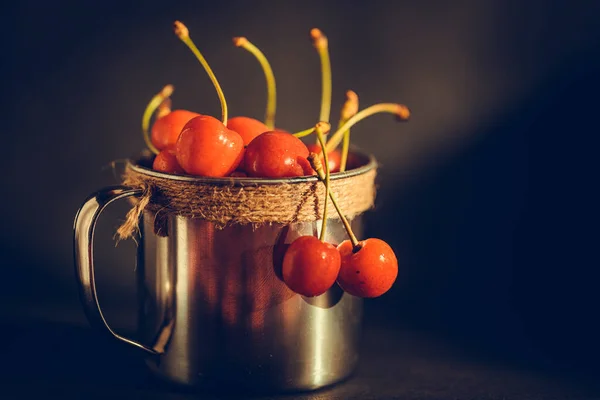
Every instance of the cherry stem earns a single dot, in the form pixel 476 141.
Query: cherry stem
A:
pixel 400 110
pixel 269 76
pixel 304 133
pixel 183 33
pixel 164 108
pixel 316 164
pixel 321 43
pixel 154 103
pixel 320 130
pixel 349 109
pixel 325 128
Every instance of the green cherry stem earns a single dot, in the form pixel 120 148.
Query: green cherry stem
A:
pixel 183 33
pixel 269 76
pixel 400 110
pixel 321 129
pixel 316 164
pixel 154 103
pixel 304 133
pixel 349 109
pixel 321 43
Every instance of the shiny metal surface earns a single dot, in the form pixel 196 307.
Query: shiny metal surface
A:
pixel 213 309
pixel 214 303
pixel 85 223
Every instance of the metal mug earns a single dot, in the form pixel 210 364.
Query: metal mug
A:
pixel 213 309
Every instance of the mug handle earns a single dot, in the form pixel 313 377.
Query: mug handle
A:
pixel 85 223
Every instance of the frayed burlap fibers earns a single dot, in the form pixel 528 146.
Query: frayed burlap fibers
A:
pixel 227 201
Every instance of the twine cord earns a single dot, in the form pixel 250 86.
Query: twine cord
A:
pixel 252 204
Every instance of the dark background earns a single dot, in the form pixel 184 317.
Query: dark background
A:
pixel 488 195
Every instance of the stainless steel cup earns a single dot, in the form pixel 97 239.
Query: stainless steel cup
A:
pixel 213 309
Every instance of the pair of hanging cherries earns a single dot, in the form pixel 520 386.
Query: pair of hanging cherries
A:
pixel 186 142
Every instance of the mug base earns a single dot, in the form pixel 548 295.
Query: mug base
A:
pixel 227 385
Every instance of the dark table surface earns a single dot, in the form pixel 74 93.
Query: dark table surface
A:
pixel 63 360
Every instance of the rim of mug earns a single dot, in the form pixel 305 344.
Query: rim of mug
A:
pixel 370 164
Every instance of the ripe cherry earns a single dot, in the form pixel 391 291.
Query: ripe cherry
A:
pixel 166 161
pixel 310 267
pixel 166 129
pixel 334 156
pixel 368 269
pixel 275 155
pixel 247 128
pixel 207 148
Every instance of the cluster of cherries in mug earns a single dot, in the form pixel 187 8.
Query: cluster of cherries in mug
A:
pixel 187 142
pixel 194 144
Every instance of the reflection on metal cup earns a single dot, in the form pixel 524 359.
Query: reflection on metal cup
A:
pixel 230 319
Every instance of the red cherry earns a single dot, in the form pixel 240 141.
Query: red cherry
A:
pixel 166 130
pixel 248 128
pixel 334 157
pixel 207 148
pixel 166 161
pixel 370 271
pixel 275 155
pixel 310 267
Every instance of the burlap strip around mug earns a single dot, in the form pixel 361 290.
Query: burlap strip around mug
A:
pixel 247 201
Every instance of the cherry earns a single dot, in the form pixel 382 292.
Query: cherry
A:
pixel 275 154
pixel 207 148
pixel 334 157
pixel 368 269
pixel 269 77
pixel 248 128
pixel 310 267
pixel 166 161
pixel 166 129
pixel 319 130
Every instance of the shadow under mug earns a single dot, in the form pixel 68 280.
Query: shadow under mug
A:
pixel 213 308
